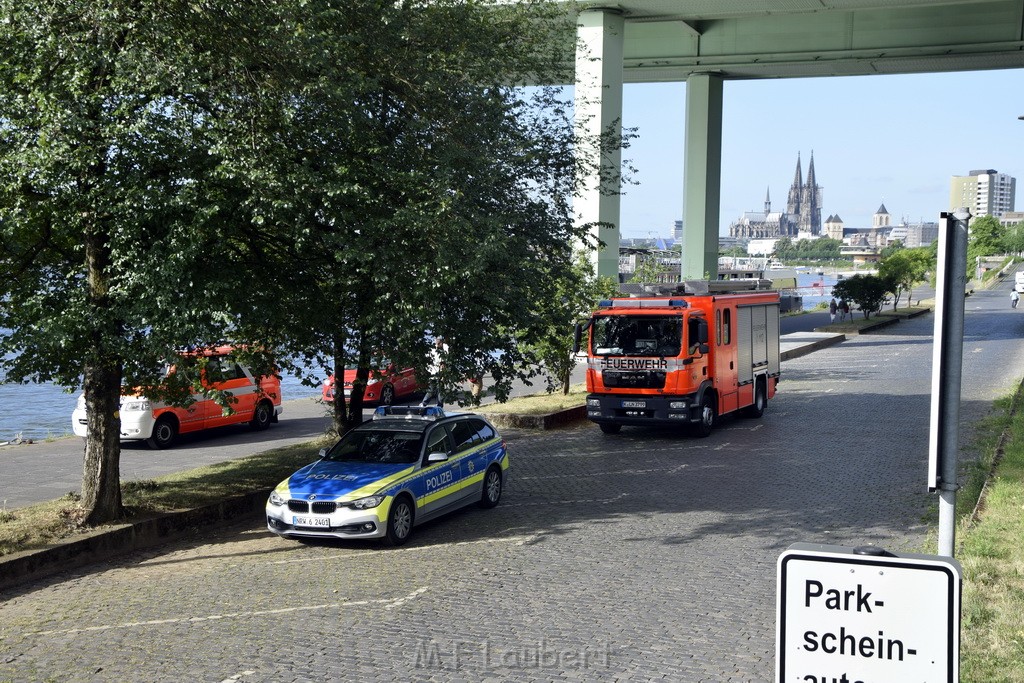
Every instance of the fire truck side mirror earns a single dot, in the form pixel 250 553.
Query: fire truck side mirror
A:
pixel 577 335
pixel 702 333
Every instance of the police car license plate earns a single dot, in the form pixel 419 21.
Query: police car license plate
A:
pixel 311 521
pixel 634 404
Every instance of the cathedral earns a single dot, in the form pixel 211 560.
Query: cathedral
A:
pixel 802 217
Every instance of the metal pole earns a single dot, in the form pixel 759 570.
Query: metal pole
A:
pixel 947 366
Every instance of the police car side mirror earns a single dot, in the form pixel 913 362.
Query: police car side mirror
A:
pixel 322 453
pixel 437 457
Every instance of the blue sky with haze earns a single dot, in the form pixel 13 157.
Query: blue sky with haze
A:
pixel 891 139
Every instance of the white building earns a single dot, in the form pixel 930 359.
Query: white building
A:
pixel 983 192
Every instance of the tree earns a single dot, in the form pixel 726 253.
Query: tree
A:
pixel 985 237
pixel 867 291
pixel 1013 239
pixel 904 268
pixel 891 249
pixel 418 194
pixel 577 296
pixel 113 198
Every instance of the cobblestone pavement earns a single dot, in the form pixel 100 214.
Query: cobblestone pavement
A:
pixel 646 556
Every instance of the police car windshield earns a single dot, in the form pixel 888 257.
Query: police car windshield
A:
pixel 377 445
pixel 637 335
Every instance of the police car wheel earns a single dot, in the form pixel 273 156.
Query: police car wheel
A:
pixel 261 416
pixel 492 488
pixel 399 522
pixel 165 431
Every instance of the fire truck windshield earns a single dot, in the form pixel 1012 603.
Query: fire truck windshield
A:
pixel 637 335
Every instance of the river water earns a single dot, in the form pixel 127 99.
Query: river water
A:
pixel 40 411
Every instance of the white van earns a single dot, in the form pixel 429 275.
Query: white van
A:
pixel 1018 281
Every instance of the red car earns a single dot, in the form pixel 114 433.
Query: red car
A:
pixel 383 388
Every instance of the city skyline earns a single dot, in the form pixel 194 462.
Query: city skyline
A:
pixel 893 140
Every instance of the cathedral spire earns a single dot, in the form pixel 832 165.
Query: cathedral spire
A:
pixel 767 201
pixel 812 182
pixel 795 190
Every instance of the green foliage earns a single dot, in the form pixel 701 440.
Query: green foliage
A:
pixel 867 291
pixel 985 237
pixel 903 269
pixel 824 248
pixel 1013 239
pixel 647 271
pixel 339 181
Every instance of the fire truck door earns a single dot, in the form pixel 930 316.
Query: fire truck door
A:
pixel 725 360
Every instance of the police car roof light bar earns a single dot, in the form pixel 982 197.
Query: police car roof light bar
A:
pixel 409 412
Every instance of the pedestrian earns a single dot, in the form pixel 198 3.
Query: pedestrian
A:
pixel 832 308
pixel 436 365
pixel 1014 298
pixel 844 309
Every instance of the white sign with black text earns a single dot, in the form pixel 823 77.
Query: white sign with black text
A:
pixel 860 617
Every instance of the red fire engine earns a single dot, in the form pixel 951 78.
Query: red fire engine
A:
pixel 684 359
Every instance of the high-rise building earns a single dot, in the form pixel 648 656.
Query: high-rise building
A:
pixel 983 192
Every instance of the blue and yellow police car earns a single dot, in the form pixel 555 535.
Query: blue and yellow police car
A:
pixel 406 466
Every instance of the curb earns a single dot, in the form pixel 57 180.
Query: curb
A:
pixel 548 421
pixel 816 345
pixel 111 542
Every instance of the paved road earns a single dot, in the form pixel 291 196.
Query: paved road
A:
pixel 644 556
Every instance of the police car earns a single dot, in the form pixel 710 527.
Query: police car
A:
pixel 406 466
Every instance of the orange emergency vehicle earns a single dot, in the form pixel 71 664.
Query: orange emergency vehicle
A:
pixel 684 359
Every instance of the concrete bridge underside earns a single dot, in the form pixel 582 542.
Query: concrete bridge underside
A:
pixel 709 42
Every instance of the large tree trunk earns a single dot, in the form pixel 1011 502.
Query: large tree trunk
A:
pixel 101 479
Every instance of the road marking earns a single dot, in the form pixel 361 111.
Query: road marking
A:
pixel 388 604
pixel 238 676
pixel 599 501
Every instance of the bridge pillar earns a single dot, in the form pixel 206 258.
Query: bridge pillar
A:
pixel 702 168
pixel 598 108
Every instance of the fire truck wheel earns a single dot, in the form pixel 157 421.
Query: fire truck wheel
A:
pixel 707 416
pixel 610 428
pixel 262 416
pixel 165 431
pixel 387 395
pixel 756 409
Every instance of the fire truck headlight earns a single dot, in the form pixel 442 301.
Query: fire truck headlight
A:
pixel 677 405
pixel 594 403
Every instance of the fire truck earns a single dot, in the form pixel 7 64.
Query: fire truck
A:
pixel 685 359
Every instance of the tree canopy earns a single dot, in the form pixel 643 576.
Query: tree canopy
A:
pixel 867 291
pixel 337 181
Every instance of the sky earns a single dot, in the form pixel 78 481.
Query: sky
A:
pixel 896 140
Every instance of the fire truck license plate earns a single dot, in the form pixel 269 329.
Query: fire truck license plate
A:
pixel 634 404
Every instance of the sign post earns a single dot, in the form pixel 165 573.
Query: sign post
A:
pixel 866 616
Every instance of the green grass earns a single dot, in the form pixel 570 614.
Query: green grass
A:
pixel 992 554
pixel 37 526
pixel 538 404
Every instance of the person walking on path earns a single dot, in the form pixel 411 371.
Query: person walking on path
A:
pixel 832 308
pixel 1014 298
pixel 844 310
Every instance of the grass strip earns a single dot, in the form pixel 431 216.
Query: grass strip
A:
pixel 38 526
